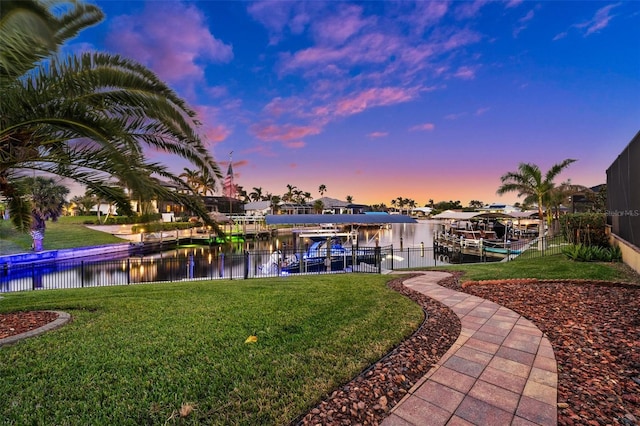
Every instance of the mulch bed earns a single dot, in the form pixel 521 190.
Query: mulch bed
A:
pixel 20 322
pixel 368 398
pixel 594 328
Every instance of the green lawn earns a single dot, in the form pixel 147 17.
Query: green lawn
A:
pixel 547 267
pixel 136 354
pixel 67 232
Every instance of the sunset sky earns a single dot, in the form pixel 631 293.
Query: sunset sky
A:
pixel 379 100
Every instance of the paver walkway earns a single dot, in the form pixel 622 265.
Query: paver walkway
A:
pixel 500 371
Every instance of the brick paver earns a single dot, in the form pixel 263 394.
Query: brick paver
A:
pixel 500 371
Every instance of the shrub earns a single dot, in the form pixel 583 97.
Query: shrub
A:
pixel 585 228
pixel 586 253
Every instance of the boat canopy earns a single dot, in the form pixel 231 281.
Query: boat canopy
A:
pixel 336 219
pixel 470 215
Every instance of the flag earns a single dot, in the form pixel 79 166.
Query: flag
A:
pixel 228 186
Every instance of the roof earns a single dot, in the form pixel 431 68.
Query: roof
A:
pixel 257 205
pixel 468 215
pixel 340 219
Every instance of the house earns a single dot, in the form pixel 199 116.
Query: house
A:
pixel 499 208
pixel 257 208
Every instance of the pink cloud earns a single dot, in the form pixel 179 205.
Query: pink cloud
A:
pixel 481 111
pixel 171 38
pixel 465 73
pixel 295 145
pixel 287 133
pixel 280 106
pixel 424 127
pixel 212 129
pixel 455 116
pixel 337 28
pixel 469 9
pixel 372 98
pixel 378 134
pixel 280 15
pixel 599 21
pixel 217 133
pixel 427 13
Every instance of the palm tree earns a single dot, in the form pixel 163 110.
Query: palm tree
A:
pixel 288 197
pixel 47 200
pixel 84 202
pixel 556 197
pixel 529 182
pixel 318 206
pixel 206 183
pixel 349 199
pixel 275 203
pixel 322 189
pixel 256 194
pixel 86 117
pixel 190 177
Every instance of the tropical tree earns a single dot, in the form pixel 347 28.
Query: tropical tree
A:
pixel 529 182
pixel 275 203
pixel 318 206
pixel 288 197
pixel 556 197
pixel 349 199
pixel 322 189
pixel 46 199
pixel 476 204
pixel 256 194
pixel 88 117
pixel 191 177
pixel 85 202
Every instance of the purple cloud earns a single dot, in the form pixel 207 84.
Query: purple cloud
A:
pixel 469 9
pixel 426 127
pixel 378 134
pixel 465 73
pixel 599 21
pixel 171 38
pixel 373 97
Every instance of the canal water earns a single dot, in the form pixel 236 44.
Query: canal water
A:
pixel 198 261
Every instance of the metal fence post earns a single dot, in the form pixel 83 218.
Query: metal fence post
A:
pixel 246 264
pixel 128 271
pixel 82 274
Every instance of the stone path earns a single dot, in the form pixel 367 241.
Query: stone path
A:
pixel 500 371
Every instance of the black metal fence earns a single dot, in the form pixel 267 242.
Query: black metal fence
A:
pixel 136 270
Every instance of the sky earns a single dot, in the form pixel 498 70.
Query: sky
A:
pixel 382 99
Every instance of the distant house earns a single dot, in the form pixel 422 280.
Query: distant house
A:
pixel 333 206
pixel 421 211
pixel 499 208
pixel 623 202
pixel 257 208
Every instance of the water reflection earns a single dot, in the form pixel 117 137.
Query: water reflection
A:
pixel 193 262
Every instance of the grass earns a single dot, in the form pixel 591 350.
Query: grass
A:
pixel 67 232
pixel 138 354
pixel 547 267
